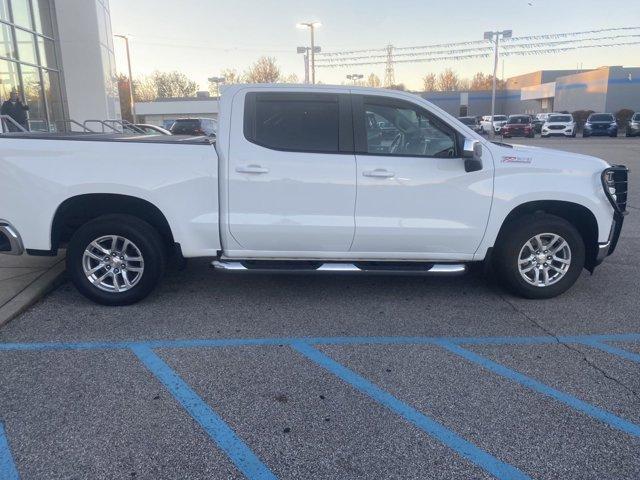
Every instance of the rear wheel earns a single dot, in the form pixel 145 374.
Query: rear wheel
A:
pixel 116 259
pixel 540 256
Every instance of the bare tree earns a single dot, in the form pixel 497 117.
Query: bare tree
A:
pixel 231 76
pixel 174 84
pixel 373 81
pixel 264 70
pixel 448 81
pixel 291 78
pixel 480 81
pixel 429 82
pixel 144 89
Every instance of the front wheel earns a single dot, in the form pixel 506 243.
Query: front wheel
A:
pixel 116 259
pixel 540 256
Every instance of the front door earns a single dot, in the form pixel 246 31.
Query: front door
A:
pixel 292 175
pixel 415 199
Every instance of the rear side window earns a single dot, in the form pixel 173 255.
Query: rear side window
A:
pixel 185 126
pixel 293 121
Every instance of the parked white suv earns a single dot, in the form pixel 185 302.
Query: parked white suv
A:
pixel 496 123
pixel 305 178
pixel 559 124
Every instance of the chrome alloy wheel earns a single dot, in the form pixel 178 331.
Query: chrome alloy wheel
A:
pixel 544 260
pixel 113 263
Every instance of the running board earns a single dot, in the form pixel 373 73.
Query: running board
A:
pixel 386 268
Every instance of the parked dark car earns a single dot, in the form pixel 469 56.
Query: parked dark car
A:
pixel 600 124
pixel 539 120
pixel 518 125
pixel 472 122
pixel 195 126
pixel 152 129
pixel 633 127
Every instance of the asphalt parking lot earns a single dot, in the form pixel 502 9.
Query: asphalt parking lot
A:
pixel 324 377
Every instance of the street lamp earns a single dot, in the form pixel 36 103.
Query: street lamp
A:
pixel 312 28
pixel 495 37
pixel 355 77
pixel 131 100
pixel 217 81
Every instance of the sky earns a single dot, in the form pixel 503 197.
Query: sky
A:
pixel 201 38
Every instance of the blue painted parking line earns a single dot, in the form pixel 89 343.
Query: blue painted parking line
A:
pixel 465 448
pixel 245 342
pixel 573 402
pixel 239 453
pixel 8 469
pixel 620 352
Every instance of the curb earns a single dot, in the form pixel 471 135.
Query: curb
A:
pixel 42 285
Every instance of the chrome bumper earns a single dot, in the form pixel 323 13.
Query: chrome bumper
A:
pixel 10 241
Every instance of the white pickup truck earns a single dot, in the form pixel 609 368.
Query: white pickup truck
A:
pixel 304 178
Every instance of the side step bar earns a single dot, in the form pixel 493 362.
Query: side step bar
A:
pixel 385 268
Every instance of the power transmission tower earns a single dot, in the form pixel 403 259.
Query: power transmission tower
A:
pixel 389 72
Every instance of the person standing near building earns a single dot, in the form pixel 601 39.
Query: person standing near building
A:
pixel 17 110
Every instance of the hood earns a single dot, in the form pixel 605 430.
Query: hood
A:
pixel 548 157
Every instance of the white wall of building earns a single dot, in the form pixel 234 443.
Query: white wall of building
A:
pixel 88 60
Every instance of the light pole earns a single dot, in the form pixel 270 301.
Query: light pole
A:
pixel 495 37
pixel 306 51
pixel 131 100
pixel 312 28
pixel 217 81
pixel 355 77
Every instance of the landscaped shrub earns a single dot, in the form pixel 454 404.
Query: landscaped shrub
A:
pixel 623 116
pixel 580 117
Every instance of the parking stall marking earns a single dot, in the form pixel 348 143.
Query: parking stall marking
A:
pixel 463 447
pixel 8 469
pixel 253 468
pixel 575 403
pixel 239 453
pixel 617 351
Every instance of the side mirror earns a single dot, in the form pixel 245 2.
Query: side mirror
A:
pixel 472 155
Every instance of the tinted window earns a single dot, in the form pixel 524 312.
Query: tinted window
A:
pixel 560 118
pixel 636 117
pixel 468 120
pixel 499 118
pixel 299 122
pixel 406 130
pixel 518 120
pixel 601 117
pixel 185 127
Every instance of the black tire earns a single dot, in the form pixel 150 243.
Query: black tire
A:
pixel 517 234
pixel 146 239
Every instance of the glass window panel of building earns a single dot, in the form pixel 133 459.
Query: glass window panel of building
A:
pixel 28 61
pixel 21 10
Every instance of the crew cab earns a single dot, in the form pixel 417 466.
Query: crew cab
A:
pixel 518 125
pixel 559 125
pixel 300 179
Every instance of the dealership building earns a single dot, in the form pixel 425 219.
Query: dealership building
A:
pixel 59 55
pixel 605 89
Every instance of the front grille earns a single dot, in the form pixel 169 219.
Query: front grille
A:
pixel 556 127
pixel 618 176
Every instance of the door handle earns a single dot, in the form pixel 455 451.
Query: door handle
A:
pixel 379 173
pixel 251 169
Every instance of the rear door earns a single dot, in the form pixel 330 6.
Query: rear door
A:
pixel 292 174
pixel 415 198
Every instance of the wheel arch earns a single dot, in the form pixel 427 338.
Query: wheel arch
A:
pixel 80 209
pixel 578 215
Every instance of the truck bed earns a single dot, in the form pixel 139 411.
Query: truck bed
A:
pixel 110 137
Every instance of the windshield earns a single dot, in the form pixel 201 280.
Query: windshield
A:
pixel 560 118
pixel 518 120
pixel 636 117
pixel 499 118
pixel 468 120
pixel 601 117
